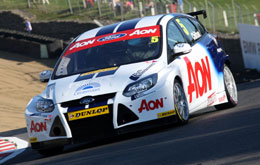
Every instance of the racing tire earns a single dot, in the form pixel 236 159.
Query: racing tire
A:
pixel 180 103
pixel 51 151
pixel 231 90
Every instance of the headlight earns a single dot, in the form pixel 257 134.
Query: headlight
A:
pixel 140 86
pixel 44 105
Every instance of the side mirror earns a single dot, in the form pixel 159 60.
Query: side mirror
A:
pixel 45 75
pixel 181 48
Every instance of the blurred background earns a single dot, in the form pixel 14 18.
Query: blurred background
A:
pixel 223 15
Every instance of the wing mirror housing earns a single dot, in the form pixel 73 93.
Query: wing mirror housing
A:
pixel 181 48
pixel 45 75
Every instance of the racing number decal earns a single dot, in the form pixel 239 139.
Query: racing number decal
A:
pixel 154 39
pixel 183 27
pixel 193 74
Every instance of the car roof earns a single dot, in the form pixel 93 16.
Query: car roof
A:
pixel 124 25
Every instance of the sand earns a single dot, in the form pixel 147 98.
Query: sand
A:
pixel 19 82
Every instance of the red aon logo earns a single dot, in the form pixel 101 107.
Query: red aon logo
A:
pixel 38 127
pixel 151 105
pixel 193 73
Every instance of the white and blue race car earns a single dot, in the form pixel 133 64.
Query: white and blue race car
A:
pixel 129 76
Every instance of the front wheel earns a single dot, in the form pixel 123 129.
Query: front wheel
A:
pixel 180 103
pixel 231 90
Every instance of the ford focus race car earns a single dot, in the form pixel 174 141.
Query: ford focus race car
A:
pixel 128 76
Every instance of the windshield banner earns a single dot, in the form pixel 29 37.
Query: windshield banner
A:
pixel 114 37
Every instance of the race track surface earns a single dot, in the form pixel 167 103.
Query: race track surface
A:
pixel 211 137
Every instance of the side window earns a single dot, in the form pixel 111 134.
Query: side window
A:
pixel 174 35
pixel 199 26
pixel 189 29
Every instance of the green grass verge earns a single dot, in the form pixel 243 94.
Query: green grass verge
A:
pixel 59 10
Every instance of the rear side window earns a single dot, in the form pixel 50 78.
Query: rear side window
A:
pixel 192 33
pixel 199 26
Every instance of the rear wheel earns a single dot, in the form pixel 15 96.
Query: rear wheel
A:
pixel 180 103
pixel 231 90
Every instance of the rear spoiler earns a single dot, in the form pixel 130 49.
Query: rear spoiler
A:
pixel 196 13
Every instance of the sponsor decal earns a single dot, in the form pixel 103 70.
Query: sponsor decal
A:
pixel 151 105
pixel 86 88
pixel 145 31
pixel 38 127
pixel 166 114
pixel 71 116
pixel 33 139
pixel 48 118
pixel 222 98
pixel 195 35
pixel 151 31
pixel 212 99
pixel 139 73
pixel 111 37
pixel 195 85
pixel 91 112
pixel 101 72
pixel 82 44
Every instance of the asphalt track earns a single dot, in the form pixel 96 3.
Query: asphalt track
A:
pixel 230 136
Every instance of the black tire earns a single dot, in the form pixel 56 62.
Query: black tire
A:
pixel 231 90
pixel 51 151
pixel 180 103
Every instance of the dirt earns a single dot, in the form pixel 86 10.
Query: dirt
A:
pixel 19 82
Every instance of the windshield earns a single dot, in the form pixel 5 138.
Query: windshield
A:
pixel 82 57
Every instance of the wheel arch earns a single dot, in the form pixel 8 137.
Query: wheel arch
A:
pixel 178 78
pixel 227 62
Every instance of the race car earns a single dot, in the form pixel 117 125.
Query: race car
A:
pixel 130 76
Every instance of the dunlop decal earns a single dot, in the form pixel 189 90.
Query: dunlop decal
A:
pixel 91 112
pixel 166 114
pixel 33 139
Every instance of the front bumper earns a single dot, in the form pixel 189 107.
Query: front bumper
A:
pixel 124 113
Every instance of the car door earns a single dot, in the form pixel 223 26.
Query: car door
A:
pixel 200 71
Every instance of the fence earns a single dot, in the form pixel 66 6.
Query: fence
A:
pixel 222 16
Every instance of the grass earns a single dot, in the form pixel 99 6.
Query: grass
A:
pixel 244 13
pixel 59 9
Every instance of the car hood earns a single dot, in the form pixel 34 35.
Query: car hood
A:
pixel 104 81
